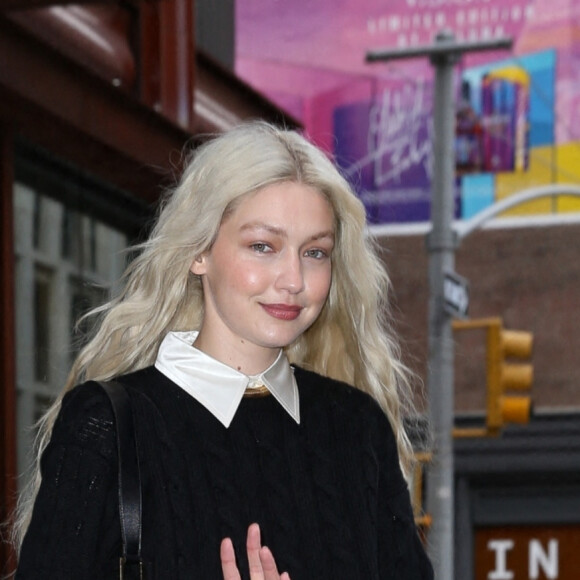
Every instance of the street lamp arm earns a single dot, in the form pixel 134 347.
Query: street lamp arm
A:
pixel 464 228
pixel 442 48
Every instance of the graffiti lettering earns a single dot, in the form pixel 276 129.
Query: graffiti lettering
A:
pixel 400 128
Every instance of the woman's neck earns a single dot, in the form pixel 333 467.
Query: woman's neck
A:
pixel 247 359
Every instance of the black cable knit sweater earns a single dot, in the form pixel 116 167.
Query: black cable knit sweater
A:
pixel 328 493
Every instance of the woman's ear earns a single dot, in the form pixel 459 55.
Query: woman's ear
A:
pixel 198 265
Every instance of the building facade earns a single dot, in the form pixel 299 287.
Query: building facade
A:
pixel 517 494
pixel 98 103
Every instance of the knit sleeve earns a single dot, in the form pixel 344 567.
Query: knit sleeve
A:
pixel 401 551
pixel 74 530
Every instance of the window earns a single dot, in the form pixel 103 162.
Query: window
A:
pixel 69 256
pixel 42 313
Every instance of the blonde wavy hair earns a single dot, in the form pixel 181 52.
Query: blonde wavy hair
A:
pixel 351 340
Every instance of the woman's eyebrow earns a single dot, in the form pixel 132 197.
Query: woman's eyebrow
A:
pixel 282 232
pixel 327 234
pixel 264 226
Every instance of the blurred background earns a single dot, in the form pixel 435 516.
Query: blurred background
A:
pixel 99 100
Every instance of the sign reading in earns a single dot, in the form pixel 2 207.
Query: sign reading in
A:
pixel 527 553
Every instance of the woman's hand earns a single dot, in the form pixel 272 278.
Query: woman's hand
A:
pixel 261 560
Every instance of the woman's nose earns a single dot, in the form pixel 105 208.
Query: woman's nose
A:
pixel 290 275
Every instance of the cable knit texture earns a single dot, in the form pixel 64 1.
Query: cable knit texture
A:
pixel 328 493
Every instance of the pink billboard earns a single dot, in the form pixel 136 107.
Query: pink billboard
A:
pixel 376 119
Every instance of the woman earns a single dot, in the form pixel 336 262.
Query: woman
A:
pixel 253 306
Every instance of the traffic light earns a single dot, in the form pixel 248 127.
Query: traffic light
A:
pixel 505 377
pixel 422 519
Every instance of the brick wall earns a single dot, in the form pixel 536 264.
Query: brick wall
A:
pixel 528 276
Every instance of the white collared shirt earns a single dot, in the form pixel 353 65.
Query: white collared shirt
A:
pixel 218 387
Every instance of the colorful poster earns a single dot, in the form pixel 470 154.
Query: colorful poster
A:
pixel 383 146
pixel 511 131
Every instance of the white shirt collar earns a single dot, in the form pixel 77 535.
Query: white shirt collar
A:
pixel 218 387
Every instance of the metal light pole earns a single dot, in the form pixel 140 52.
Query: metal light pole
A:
pixel 441 248
pixel 441 244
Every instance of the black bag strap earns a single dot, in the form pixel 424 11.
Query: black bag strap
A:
pixel 130 501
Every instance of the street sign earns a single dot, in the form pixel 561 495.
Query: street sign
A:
pixel 527 552
pixel 455 294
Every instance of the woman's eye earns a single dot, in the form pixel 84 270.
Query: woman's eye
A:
pixel 316 253
pixel 260 247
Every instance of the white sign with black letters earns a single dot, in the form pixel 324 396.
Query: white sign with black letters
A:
pixel 456 294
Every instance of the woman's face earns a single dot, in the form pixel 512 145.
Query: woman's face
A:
pixel 267 276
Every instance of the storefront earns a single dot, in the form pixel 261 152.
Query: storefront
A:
pixel 518 502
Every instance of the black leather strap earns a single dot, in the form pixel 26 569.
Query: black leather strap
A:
pixel 130 501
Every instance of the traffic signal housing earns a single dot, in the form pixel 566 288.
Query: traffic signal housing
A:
pixel 509 375
pixel 505 378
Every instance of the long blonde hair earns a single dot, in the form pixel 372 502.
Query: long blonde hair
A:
pixel 351 340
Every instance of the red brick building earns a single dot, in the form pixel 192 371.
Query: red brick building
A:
pixel 522 486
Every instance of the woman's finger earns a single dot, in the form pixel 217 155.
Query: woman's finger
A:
pixel 269 564
pixel 261 561
pixel 228 558
pixel 253 547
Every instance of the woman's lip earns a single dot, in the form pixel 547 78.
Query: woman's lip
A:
pixel 282 311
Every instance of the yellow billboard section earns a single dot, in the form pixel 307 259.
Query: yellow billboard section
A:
pixel 547 165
